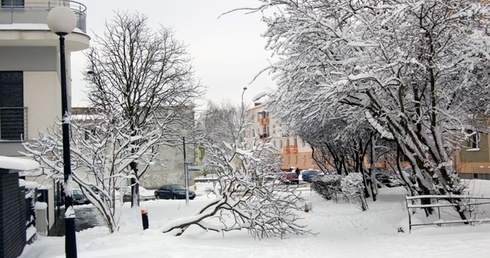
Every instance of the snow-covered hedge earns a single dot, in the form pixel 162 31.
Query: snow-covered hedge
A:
pixel 328 186
pixel 352 186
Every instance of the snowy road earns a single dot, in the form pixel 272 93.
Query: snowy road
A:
pixel 87 217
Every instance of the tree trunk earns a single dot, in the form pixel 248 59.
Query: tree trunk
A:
pixel 135 202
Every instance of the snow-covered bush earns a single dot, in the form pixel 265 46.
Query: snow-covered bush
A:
pixel 328 186
pixel 352 186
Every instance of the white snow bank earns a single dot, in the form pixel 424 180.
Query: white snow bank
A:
pixel 20 164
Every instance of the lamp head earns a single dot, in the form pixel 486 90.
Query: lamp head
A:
pixel 183 133
pixel 61 20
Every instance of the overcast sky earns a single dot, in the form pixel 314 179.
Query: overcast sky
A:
pixel 227 52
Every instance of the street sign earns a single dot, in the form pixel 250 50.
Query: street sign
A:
pixel 194 168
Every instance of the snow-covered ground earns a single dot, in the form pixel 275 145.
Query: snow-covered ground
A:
pixel 342 230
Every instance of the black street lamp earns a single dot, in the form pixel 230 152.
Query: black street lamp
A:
pixel 62 21
pixel 243 104
pixel 183 134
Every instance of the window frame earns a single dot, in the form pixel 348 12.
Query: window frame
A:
pixel 474 142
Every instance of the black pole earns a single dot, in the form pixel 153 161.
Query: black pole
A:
pixel 70 237
pixel 183 143
pixel 186 179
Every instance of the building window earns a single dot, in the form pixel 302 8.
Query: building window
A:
pixel 265 133
pixel 296 159
pixel 474 141
pixel 12 105
pixel 12 3
pixel 280 143
pixel 304 159
pixel 262 114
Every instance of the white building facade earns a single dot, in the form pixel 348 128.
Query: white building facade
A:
pixel 30 75
pixel 30 89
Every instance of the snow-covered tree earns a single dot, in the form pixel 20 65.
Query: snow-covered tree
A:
pixel 140 73
pixel 247 196
pixel 101 151
pixel 220 123
pixel 416 71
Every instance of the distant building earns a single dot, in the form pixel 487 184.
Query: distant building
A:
pixel 472 161
pixel 294 151
pixel 168 165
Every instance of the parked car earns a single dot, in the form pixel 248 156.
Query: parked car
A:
pixel 382 177
pixel 173 191
pixel 79 197
pixel 145 195
pixel 308 174
pixel 290 178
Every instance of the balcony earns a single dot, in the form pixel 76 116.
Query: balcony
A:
pixel 13 123
pixel 11 12
pixel 264 121
pixel 293 149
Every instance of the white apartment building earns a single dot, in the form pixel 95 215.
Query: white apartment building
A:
pixel 30 75
pixel 30 89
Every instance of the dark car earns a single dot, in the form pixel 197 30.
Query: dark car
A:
pixel 382 177
pixel 79 197
pixel 173 191
pixel 307 175
pixel 290 178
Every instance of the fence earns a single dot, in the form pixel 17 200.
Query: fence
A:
pixel 446 209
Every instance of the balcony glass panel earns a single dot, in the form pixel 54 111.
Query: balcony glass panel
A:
pixel 17 11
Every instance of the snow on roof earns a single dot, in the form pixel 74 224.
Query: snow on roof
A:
pixel 20 164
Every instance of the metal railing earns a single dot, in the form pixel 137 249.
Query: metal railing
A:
pixel 13 123
pixel 468 204
pixel 11 11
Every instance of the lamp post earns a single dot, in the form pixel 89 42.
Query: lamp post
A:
pixel 242 117
pixel 62 21
pixel 183 134
pixel 243 105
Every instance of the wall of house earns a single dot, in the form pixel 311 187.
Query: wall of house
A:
pixel 28 58
pixel 42 96
pixel 474 163
pixel 169 162
pixel 42 91
pixel 169 168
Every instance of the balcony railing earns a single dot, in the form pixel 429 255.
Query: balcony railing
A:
pixel 13 123
pixel 264 121
pixel 12 12
pixel 290 149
